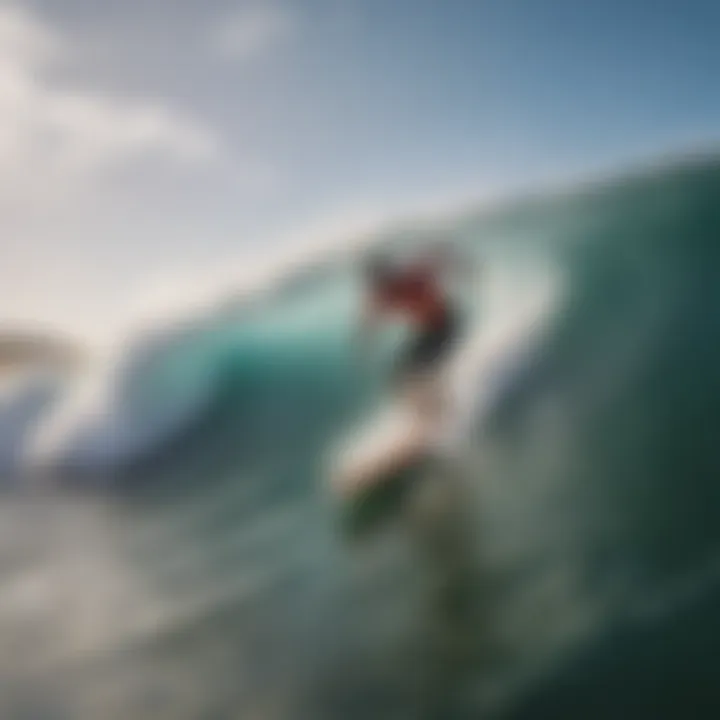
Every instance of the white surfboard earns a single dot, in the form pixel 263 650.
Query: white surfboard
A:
pixel 389 443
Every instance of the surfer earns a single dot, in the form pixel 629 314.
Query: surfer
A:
pixel 417 424
pixel 417 293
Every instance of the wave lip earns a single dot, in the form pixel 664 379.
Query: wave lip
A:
pixel 125 405
pixel 23 404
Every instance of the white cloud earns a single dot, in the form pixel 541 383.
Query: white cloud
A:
pixel 24 40
pixel 52 136
pixel 254 29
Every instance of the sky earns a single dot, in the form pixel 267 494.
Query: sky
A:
pixel 142 140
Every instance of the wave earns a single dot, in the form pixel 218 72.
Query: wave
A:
pixel 166 378
pixel 593 372
pixel 24 402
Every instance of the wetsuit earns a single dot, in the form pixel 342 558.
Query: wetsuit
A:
pixel 417 294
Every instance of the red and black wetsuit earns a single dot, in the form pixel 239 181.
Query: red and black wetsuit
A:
pixel 418 294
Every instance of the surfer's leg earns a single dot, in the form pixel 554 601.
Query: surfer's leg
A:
pixel 416 361
pixel 421 370
pixel 413 374
pixel 429 393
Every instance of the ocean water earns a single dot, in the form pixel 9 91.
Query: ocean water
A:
pixel 170 548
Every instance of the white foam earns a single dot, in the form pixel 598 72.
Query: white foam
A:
pixel 516 307
pixel 23 400
pixel 108 415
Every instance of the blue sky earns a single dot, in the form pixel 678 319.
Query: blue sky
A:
pixel 145 137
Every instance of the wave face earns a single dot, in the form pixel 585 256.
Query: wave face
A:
pixel 578 552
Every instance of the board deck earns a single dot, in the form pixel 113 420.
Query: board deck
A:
pixel 385 447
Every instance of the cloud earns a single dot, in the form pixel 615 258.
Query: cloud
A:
pixel 24 40
pixel 52 135
pixel 251 31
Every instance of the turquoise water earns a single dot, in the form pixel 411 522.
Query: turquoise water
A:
pixel 566 565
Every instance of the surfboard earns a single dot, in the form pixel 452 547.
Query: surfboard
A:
pixel 375 466
pixel 386 445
